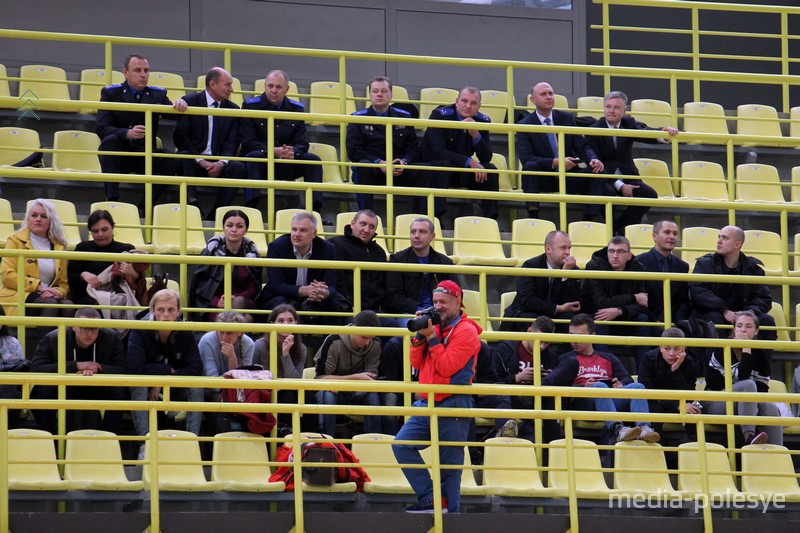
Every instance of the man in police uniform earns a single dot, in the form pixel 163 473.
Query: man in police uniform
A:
pixel 366 143
pixel 290 139
pixel 467 148
pixel 124 131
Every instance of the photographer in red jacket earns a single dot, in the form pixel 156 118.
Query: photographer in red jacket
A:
pixel 445 352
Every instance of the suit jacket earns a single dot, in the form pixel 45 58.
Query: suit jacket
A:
pixel 535 147
pixel 191 131
pixel 367 142
pixel 403 289
pixel 538 296
pixel 119 122
pixel 292 132
pixel 455 145
pixel 679 290
pixel 282 281
pixel 620 156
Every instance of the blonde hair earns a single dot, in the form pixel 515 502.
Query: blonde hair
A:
pixel 165 294
pixel 56 231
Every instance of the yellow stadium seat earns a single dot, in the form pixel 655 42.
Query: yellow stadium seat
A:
pixel 399 94
pixel 589 481
pixel 173 83
pixel 345 487
pixel 324 99
pixel 528 235
pixel 92 82
pixel 171 284
pixel 507 181
pixel 795 185
pixel 42 82
pixel 767 471
pixel 640 467
pixel 703 180
pixel 590 106
pixel 757 119
pixel 704 117
pixel 655 113
pixel 502 459
pixel 4 88
pixel 236 96
pixel 720 483
pixel 468 485
pixel 125 215
pixel 402 231
pixel 758 183
pixel 293 93
pixel 252 473
pixel 175 449
pixel 767 246
pixel 776 312
pixel 344 219
pixel 331 173
pixel 703 240
pixel 255 231
pixel 655 173
pixel 506 299
pixel 6 221
pixel 166 239
pixel 587 238
pixel 473 303
pixel 69 218
pixel 76 162
pixel 376 448
pixel 433 97
pixel 794 125
pixel 796 270
pixel 487 252
pixel 32 461
pixel 283 221
pixel 640 236
pixel 90 462
pixel 494 104
pixel 18 146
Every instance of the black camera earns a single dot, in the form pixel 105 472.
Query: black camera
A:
pixel 421 320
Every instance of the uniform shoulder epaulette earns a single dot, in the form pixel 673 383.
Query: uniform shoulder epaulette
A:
pixel 401 111
pixel 113 86
pixel 361 112
pixel 155 88
pixel 253 100
pixel 295 102
pixel 446 111
pixel 480 117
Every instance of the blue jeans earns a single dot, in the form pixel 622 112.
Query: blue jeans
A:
pixel 450 429
pixel 612 405
pixel 372 424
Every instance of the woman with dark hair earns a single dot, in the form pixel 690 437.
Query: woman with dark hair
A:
pixel 208 282
pixel 292 351
pixel 83 274
pixel 45 279
pixel 750 372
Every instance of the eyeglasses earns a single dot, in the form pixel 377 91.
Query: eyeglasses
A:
pixel 89 330
pixel 618 252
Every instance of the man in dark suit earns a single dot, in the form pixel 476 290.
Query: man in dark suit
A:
pixel 457 148
pixel 554 297
pixel 616 153
pixel 538 152
pixel 661 259
pixel 307 289
pixel 210 136
pixel 290 140
pixel 124 131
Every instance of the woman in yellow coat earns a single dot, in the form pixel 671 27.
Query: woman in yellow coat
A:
pixel 45 279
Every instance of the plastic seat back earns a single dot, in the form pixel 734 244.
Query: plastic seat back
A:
pixel 167 238
pixel 242 447
pixel 655 113
pixel 69 218
pixel 376 448
pixel 40 83
pixel 6 221
pixel 704 117
pixel 640 236
pixel 589 478
pixel 507 452
pixel 528 235
pixel 255 230
pixel 176 449
pixel 325 100
pixel 768 469
pixel 587 238
pixel 758 183
pixel 173 83
pixel 506 181
pixel 766 246
pixel 641 467
pixel 703 180
pixel 331 173
pixel 126 215
pixel 703 240
pixel 32 461
pixel 76 162
pixel 19 145
pixel 4 88
pixel 92 82
pixel 433 97
pixel 494 104
pixel 655 173
pixel 590 106
pixel 93 453
pixel 757 119
pixel 489 251
pixel 716 461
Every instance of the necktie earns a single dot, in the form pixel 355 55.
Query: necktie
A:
pixel 615 138
pixel 551 137
pixel 665 264
pixel 214 123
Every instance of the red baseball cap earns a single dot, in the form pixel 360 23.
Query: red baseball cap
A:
pixel 449 287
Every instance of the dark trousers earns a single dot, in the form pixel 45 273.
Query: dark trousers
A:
pixel 449 177
pixel 233 170
pixel 118 164
pixel 311 173
pixel 632 214
pixel 589 186
pixel 80 419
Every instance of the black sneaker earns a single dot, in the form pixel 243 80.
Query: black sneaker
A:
pixel 425 506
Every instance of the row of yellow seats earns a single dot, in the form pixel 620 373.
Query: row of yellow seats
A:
pixel 94 462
